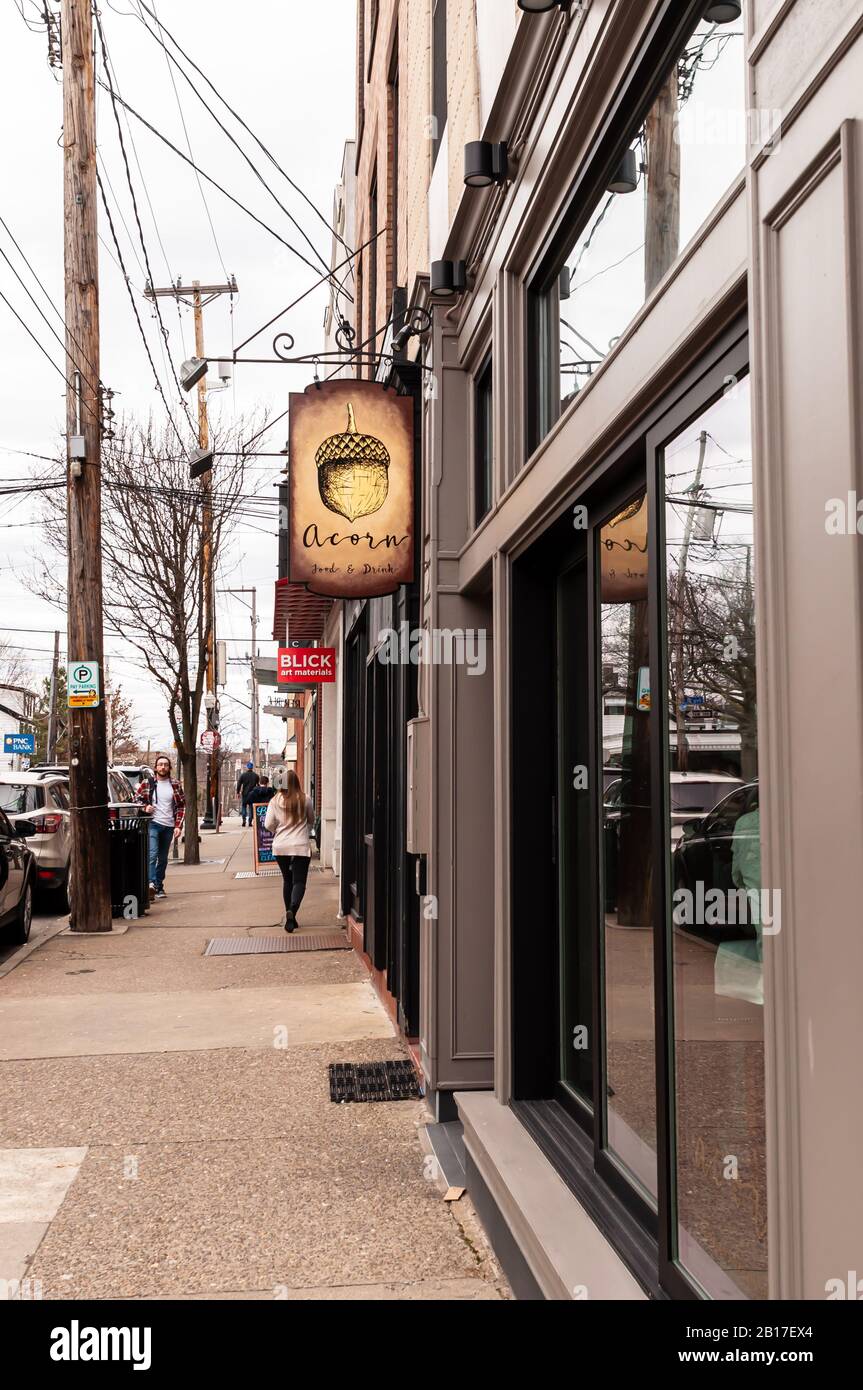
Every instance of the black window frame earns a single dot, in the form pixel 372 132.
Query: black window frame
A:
pixel 666 38
pixel 483 470
pixel 571 1135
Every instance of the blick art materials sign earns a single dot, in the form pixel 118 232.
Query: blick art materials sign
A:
pixel 351 489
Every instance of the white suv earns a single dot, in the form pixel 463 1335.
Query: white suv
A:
pixel 43 800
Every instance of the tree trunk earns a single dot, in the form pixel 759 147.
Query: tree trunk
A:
pixel 192 851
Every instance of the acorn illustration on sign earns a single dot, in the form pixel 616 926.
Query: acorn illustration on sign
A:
pixel 353 472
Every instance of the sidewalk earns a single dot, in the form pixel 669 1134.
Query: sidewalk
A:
pixel 165 1122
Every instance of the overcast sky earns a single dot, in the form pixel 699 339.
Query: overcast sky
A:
pixel 288 69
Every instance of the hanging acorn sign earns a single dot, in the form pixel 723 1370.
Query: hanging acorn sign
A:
pixel 351 489
pixel 353 471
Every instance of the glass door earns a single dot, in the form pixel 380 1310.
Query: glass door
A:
pixel 624 722
pixel 719 910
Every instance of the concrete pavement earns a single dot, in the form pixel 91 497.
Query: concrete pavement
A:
pixel 165 1122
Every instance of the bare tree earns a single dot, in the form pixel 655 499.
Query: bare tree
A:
pixel 152 560
pixel 14 669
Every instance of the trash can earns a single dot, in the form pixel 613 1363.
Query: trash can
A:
pixel 129 843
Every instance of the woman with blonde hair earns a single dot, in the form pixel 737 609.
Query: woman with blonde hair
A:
pixel 290 816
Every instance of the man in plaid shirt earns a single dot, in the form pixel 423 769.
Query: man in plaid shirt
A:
pixel 163 800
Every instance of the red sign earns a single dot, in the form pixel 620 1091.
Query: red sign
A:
pixel 300 664
pixel 210 739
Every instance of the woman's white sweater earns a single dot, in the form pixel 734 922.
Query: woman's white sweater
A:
pixel 289 839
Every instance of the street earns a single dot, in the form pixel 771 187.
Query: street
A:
pixel 166 1123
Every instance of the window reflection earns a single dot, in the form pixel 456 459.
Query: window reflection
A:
pixel 626 847
pixel 718 910
pixel 681 159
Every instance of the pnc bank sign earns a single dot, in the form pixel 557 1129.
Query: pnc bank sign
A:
pixel 302 665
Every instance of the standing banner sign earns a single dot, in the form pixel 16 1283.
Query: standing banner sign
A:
pixel 351 479
pixel 263 840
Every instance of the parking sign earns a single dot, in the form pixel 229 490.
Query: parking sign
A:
pixel 84 685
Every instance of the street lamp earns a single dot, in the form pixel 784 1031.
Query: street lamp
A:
pixel 191 372
pixel 210 820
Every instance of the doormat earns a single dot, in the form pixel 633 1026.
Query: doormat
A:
pixel 276 945
pixel 365 1081
pixel 262 873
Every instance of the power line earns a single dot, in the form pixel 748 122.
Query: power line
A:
pixel 246 127
pixel 189 148
pixel 46 321
pixel 135 311
pixel 214 182
pixel 43 350
pixel 172 60
pixel 107 67
pixel 40 283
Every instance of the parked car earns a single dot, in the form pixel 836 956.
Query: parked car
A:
pixel 43 801
pixel 136 773
pixel 122 800
pixel 17 874
pixel 692 794
pixel 703 853
pixel 122 804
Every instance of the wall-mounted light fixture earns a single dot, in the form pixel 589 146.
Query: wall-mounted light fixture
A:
pixel 625 177
pixel 447 278
pixel 540 6
pixel 485 163
pixel 723 11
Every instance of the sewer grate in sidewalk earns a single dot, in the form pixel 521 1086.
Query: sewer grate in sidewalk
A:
pixel 262 873
pixel 272 945
pixel 366 1081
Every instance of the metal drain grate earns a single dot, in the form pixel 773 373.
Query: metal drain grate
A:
pixel 276 945
pixel 262 873
pixel 365 1081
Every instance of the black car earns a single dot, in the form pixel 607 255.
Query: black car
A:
pixel 17 877
pixel 704 853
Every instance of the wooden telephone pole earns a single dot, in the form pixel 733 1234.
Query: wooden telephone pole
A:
pixel 88 759
pixel 198 302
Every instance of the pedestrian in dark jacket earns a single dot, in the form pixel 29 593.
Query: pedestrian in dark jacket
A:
pixel 246 783
pixel 262 792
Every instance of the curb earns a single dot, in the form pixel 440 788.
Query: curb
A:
pixel 30 946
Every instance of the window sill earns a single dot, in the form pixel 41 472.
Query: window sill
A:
pixel 562 1243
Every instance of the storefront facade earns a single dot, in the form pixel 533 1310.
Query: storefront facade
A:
pixel 633 839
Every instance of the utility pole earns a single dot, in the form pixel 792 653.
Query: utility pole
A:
pixel 256 738
pixel 51 742
pixel 255 732
pixel 679 615
pixel 88 774
pixel 198 303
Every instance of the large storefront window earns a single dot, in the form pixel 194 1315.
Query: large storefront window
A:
pixel 650 1088
pixel 719 909
pixel 666 174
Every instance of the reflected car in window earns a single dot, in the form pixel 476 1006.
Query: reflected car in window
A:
pixel 722 851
